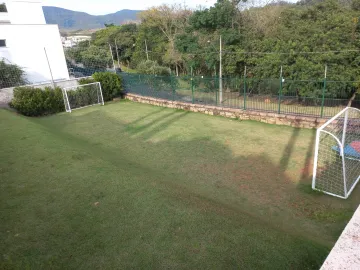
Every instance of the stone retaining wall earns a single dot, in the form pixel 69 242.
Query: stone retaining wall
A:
pixel 265 117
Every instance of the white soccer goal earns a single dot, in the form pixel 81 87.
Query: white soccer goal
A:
pixel 337 154
pixel 81 96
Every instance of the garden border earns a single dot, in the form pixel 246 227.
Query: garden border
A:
pixel 265 117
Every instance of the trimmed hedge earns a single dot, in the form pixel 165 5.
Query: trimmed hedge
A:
pixel 83 96
pixel 31 101
pixel 111 84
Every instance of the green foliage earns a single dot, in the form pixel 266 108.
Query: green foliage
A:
pixel 152 67
pixel 96 57
pixel 37 102
pixel 91 56
pixel 111 84
pixel 3 7
pixel 221 15
pixel 11 75
pixel 83 96
pixel 86 80
pixel 109 25
pixel 294 36
pixel 355 4
pixel 122 38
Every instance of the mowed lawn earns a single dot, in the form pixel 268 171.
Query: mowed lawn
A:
pixel 132 186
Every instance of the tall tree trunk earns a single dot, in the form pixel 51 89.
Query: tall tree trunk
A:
pixel 352 99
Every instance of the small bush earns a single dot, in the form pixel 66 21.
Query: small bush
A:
pixel 36 102
pixel 86 81
pixel 111 84
pixel 83 96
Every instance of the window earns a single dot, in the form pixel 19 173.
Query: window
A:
pixel 2 42
pixel 3 7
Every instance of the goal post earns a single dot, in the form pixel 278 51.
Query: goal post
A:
pixel 337 154
pixel 81 96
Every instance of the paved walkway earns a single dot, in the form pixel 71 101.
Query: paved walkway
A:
pixel 346 252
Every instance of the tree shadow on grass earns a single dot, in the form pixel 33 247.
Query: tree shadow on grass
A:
pixel 202 174
pixel 306 174
pixel 153 126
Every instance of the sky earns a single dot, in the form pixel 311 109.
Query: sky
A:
pixel 100 7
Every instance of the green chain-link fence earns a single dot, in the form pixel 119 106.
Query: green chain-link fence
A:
pixel 313 98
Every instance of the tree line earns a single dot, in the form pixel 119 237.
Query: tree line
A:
pixel 301 37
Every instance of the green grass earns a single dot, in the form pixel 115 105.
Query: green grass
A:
pixel 131 186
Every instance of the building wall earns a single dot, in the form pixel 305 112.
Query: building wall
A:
pixel 25 47
pixel 25 12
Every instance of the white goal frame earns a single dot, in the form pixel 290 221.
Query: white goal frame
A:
pixel 341 171
pixel 68 108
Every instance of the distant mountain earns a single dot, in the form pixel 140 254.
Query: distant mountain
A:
pixel 74 20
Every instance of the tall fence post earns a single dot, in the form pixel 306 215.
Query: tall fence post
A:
pixel 51 74
pixel 172 86
pixel 220 75
pixel 280 89
pixel 216 90
pixel 192 89
pixel 245 88
pixel 323 94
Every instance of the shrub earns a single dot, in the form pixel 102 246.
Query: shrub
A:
pixel 36 102
pixel 82 96
pixel 3 7
pixel 111 84
pixel 86 80
pixel 152 67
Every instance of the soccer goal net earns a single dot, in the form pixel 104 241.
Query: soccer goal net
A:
pixel 337 154
pixel 81 96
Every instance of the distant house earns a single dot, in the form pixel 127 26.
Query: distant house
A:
pixel 77 39
pixel 23 36
pixel 68 43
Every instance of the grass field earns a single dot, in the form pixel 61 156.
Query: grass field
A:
pixel 132 186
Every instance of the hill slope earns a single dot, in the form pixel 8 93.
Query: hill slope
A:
pixel 74 20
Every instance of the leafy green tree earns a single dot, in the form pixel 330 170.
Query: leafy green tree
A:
pixel 96 57
pixel 152 67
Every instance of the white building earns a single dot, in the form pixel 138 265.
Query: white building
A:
pixel 72 41
pixel 68 43
pixel 78 39
pixel 24 38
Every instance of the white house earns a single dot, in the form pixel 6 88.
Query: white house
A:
pixel 27 41
pixel 72 41
pixel 78 39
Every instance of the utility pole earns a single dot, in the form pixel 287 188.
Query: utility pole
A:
pixel 323 93
pixel 117 54
pixel 112 57
pixel 220 75
pixel 146 50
